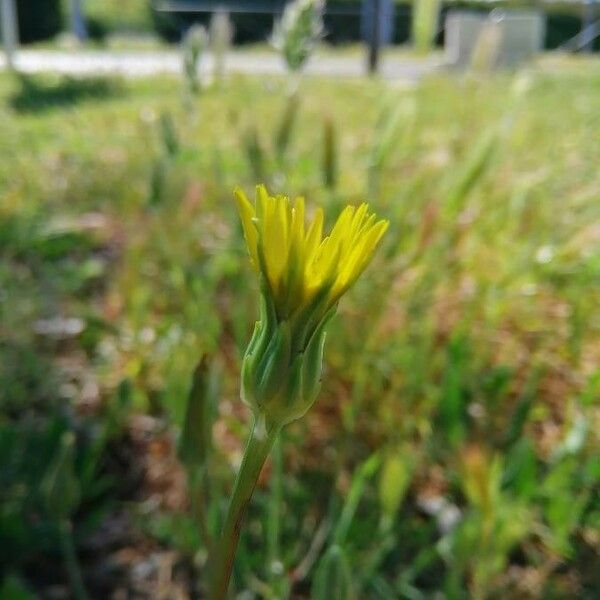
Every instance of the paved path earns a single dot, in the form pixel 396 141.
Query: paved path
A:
pixel 138 64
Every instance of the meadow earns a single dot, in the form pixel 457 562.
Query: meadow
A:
pixel 453 450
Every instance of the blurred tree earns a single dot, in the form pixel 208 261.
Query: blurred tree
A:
pixel 39 19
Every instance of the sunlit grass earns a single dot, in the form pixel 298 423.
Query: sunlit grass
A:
pixel 475 336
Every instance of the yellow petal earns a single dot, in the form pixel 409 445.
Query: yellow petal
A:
pixel 246 211
pixel 296 261
pixel 314 235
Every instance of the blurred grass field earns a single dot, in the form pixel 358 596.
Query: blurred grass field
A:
pixel 453 451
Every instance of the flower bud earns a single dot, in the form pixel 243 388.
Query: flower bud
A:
pixel 280 377
pixel 303 276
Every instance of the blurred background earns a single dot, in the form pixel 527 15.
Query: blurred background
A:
pixel 453 452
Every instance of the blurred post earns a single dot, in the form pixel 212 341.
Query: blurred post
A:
pixel 220 36
pixel 375 41
pixel 10 30
pixel 376 29
pixel 587 43
pixel 77 21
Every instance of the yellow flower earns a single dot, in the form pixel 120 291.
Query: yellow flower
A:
pixel 297 263
pixel 303 275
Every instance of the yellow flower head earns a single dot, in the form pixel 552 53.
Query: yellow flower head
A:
pixel 303 276
pixel 297 263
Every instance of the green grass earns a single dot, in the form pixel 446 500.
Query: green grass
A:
pixel 134 15
pixel 462 368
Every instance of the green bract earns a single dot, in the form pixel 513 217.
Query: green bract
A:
pixel 280 380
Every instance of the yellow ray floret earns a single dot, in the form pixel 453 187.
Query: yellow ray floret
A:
pixel 297 262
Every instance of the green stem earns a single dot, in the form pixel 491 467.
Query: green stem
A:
pixel 274 520
pixel 70 556
pixel 258 448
